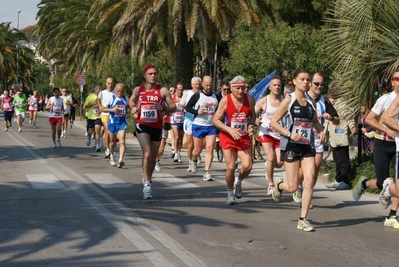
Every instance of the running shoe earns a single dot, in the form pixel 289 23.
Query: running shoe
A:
pixel 230 199
pixel 58 143
pixel 101 142
pixel 112 161
pixel 15 120
pixel 297 196
pixel 342 186
pixel 121 163
pixel 207 177
pixel 147 192
pixel 305 225
pixel 333 184
pixel 175 157
pixel 70 126
pixel 30 121
pixel 194 166
pixel 178 158
pixel 276 194
pixel 6 129
pixel 190 166
pixel 150 181
pixel 62 134
pixel 94 143
pixel 54 145
pixel 98 149
pixel 237 191
pixel 391 222
pixel 34 126
pixel 172 154
pixel 158 166
pixel 270 189
pixel 107 154
pixel 385 198
pixel 88 140
pixel 358 190
pixel 19 129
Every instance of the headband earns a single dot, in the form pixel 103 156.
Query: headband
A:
pixel 238 84
pixel 148 67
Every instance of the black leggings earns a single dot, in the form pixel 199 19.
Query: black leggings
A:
pixel 72 115
pixel 384 152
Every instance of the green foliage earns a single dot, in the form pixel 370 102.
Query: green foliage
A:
pixel 257 51
pixel 41 81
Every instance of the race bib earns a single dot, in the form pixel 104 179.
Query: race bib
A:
pixel 19 104
pixel 208 109
pixel 148 114
pixel 6 105
pixel 120 110
pixel 56 111
pixel 240 124
pixel 96 111
pixel 304 129
pixel 178 117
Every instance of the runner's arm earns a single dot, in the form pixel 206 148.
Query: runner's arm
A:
pixel 388 117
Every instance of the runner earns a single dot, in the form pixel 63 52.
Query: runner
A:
pixel 7 106
pixel 93 117
pixel 148 104
pixel 72 115
pixel 20 103
pixel 33 107
pixel 298 116
pixel 203 105
pixel 56 108
pixel 165 133
pixel 117 107
pixel 104 96
pixel 67 102
pixel 172 153
pixel 268 137
pixel 384 150
pixel 177 123
pixel 234 119
pixel 188 119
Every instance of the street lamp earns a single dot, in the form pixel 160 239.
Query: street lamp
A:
pixel 19 11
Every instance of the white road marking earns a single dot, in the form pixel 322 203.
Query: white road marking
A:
pixel 107 180
pixel 135 238
pixel 170 180
pixel 45 181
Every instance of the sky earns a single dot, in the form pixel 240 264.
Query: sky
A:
pixel 9 12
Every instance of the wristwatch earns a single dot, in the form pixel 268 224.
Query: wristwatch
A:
pixel 289 134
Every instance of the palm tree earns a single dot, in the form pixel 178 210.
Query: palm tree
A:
pixel 363 45
pixel 9 50
pixel 179 23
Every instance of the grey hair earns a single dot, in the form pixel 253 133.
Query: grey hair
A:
pixel 288 89
pixel 194 79
pixel 95 86
pixel 238 78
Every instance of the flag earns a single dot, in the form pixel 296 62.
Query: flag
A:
pixel 261 88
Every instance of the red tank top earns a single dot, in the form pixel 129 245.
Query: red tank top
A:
pixel 148 115
pixel 7 103
pixel 238 119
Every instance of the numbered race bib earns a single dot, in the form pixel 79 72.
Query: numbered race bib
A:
pixel 6 105
pixel 178 117
pixel 148 114
pixel 241 124
pixel 120 110
pixel 304 129
pixel 96 111
pixel 208 109
pixel 19 104
pixel 56 111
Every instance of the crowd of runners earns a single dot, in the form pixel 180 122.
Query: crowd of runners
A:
pixel 290 123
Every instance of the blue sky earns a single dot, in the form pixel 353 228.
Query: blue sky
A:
pixel 9 12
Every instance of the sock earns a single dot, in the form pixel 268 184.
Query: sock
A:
pixel 301 218
pixel 120 159
pixel 229 192
pixel 391 213
pixel 364 184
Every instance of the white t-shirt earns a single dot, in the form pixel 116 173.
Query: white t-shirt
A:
pixel 105 97
pixel 379 108
pixel 184 100
pixel 65 99
pixel 56 110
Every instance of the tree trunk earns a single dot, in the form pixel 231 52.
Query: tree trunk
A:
pixel 183 59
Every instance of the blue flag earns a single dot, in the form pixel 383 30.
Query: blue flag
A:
pixel 261 88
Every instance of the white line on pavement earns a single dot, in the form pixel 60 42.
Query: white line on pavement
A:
pixel 172 181
pixel 107 180
pixel 45 181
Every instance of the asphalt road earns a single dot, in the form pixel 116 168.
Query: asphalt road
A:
pixel 69 207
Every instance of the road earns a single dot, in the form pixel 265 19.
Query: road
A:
pixel 69 207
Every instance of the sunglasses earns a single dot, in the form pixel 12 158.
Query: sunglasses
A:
pixel 396 79
pixel 318 84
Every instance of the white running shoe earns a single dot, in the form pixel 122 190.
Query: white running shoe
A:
pixel 107 154
pixel 305 225
pixel 176 158
pixel 19 129
pixel 147 192
pixel 112 161
pixel 65 134
pixel 207 177
pixel 62 134
pixel 194 167
pixel 158 166
pixel 121 163
pixel 190 166
pixel 6 129
pixel 98 149
pixel 54 145
pixel 270 189
pixel 30 121
pixel 237 190
pixel 230 199
pixel 385 198
pixel 58 143
pixel 199 160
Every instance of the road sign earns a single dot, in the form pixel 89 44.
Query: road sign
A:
pixel 81 80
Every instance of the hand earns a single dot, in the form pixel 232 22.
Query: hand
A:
pixel 258 121
pixel 134 110
pixel 364 130
pixel 200 111
pixel 322 137
pixel 235 133
pixel 158 106
pixel 391 134
pixel 327 116
pixel 295 137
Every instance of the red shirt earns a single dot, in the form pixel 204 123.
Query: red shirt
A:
pixel 148 115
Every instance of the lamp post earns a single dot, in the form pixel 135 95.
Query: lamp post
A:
pixel 19 11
